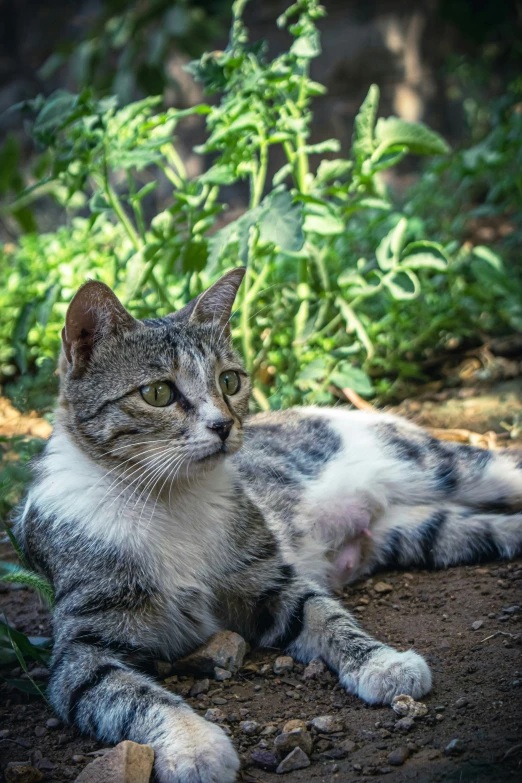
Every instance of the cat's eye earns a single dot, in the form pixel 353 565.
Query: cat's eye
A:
pixel 229 382
pixel 158 394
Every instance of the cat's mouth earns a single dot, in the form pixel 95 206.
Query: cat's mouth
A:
pixel 221 451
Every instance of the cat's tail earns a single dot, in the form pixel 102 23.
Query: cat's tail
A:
pixel 442 535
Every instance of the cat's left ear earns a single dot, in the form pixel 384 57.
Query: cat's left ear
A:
pixel 94 313
pixel 215 304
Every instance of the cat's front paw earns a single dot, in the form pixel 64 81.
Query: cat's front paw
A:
pixel 196 751
pixel 389 672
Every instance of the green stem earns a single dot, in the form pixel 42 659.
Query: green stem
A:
pixel 136 206
pixel 25 199
pixel 260 177
pixel 248 350
pixel 172 155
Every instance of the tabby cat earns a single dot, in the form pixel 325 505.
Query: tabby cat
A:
pixel 161 512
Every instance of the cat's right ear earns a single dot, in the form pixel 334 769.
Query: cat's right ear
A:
pixel 94 313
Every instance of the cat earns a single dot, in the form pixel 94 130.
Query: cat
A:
pixel 162 512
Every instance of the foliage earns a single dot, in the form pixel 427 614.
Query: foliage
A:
pixel 15 453
pixel 342 288
pixel 125 49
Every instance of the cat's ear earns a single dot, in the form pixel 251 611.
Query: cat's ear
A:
pixel 94 313
pixel 215 304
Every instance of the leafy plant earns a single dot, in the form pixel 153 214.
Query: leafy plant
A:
pixel 342 288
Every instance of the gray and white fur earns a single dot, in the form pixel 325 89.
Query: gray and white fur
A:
pixel 158 526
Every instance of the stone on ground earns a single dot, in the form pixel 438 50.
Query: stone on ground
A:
pixel 128 762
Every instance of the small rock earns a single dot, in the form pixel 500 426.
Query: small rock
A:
pixel 219 700
pixel 315 668
pixel 339 751
pixel 455 747
pixel 128 762
pixel 221 674
pixel 40 731
pixel 383 587
pixel 477 624
pixel 21 773
pixel 46 764
pixel 404 705
pixel 225 649
pixel 215 715
pixel 4 733
pixel 398 756
pixel 327 724
pixel 462 702
pixel 162 668
pixel 298 738
pixel 265 669
pixel 268 731
pixel 283 665
pixel 201 686
pixel 53 723
pixel 292 725
pixel 250 727
pixel 62 739
pixel 264 759
pixel 404 724
pixel 511 609
pixel 38 673
pixel 297 759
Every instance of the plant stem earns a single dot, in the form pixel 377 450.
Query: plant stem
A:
pixel 27 198
pixel 248 351
pixel 260 176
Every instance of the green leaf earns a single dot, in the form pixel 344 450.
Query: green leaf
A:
pixel 332 169
pixel 362 140
pixel 345 376
pixel 390 247
pixel 325 225
pixel 329 145
pixel 399 291
pixel 307 46
pixel 424 261
pixel 316 370
pixel 281 222
pixel 222 174
pixel 419 139
pixel 218 243
pixel 486 254
pixel 280 176
pixel 194 256
pixel 354 324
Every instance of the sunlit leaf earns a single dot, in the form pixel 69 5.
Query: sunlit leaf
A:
pixel 421 140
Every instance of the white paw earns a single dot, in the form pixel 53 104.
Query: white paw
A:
pixel 196 751
pixel 388 673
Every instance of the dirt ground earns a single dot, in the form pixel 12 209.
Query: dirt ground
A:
pixel 477 674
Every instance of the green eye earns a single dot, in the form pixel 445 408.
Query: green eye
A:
pixel 229 382
pixel 157 394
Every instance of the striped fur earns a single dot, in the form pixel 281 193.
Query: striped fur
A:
pixel 156 532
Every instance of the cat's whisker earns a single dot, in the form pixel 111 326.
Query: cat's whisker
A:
pixel 174 461
pixel 158 494
pixel 141 477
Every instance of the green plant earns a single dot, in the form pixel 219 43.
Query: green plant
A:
pixel 342 288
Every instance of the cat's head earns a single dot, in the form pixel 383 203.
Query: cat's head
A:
pixel 168 394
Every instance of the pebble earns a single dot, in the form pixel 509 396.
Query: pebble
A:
pixel 21 772
pixel 340 751
pixel 225 650
pixel 511 609
pixel 201 686
pixel 162 668
pixel 221 674
pixel 455 747
pixel 269 730
pixel 38 673
pixel 298 738
pixel 53 723
pixel 283 665
pixel 398 756
pixel 404 724
pixel 297 759
pixel 477 624
pixel 315 669
pixel 264 759
pixel 40 731
pixel 462 702
pixel 293 724
pixel 4 733
pixel 383 587
pixel 327 724
pixel 219 700
pixel 404 705
pixel 128 762
pixel 215 715
pixel 250 727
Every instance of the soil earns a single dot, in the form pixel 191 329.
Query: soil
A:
pixel 477 674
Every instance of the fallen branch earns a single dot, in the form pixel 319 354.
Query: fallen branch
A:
pixel 498 633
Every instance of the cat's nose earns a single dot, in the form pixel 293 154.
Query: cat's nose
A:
pixel 221 427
